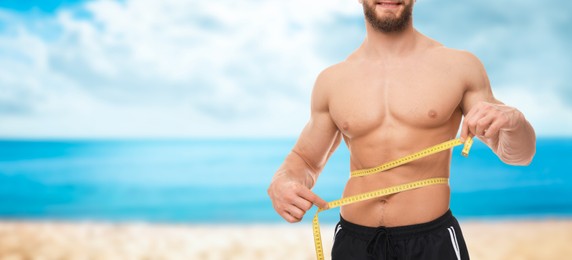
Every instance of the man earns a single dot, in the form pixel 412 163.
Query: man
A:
pixel 398 93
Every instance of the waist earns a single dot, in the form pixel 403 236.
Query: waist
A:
pixel 404 208
pixel 399 232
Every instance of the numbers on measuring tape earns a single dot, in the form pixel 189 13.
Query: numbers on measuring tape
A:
pixel 418 155
pixel 390 190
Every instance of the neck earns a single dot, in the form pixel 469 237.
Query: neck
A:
pixel 386 45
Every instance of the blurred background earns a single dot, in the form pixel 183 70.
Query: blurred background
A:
pixel 179 112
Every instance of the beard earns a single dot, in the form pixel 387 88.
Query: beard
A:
pixel 387 24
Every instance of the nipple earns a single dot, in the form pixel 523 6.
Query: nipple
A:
pixel 345 126
pixel 432 113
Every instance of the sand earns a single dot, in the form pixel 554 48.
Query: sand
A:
pixel 546 239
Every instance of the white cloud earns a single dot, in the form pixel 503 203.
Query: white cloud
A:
pixel 173 68
pixel 163 68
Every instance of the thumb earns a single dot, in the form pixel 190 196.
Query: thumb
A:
pixel 464 130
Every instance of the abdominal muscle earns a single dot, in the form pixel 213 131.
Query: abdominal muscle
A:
pixel 404 208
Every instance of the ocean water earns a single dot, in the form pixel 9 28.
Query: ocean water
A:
pixel 225 180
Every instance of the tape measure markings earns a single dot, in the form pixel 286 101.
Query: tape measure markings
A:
pixel 406 159
pixel 389 190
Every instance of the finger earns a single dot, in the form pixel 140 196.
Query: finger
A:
pixel 483 125
pixel 465 127
pixel 494 129
pixel 473 110
pixel 302 204
pixel 286 215
pixel 464 130
pixel 311 197
pixel 295 212
pixel 472 122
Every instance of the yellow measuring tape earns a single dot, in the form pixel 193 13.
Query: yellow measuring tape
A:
pixel 390 190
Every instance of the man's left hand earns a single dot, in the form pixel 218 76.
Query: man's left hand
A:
pixel 487 120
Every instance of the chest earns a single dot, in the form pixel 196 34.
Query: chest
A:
pixel 415 98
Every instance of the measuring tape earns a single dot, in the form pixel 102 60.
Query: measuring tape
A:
pixel 390 190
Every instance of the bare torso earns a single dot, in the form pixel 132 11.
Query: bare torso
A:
pixel 388 109
pixel 398 93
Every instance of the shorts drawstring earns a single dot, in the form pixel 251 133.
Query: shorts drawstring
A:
pixel 381 238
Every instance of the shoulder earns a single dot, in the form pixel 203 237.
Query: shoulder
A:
pixel 464 64
pixel 330 76
pixel 458 58
pixel 322 87
pixel 327 82
pixel 444 57
pixel 334 71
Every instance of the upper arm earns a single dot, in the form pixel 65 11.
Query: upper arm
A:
pixel 476 82
pixel 320 136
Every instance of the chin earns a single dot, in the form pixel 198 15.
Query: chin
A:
pixel 385 15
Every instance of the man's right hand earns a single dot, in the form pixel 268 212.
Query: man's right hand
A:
pixel 292 199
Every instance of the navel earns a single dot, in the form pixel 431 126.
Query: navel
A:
pixel 432 113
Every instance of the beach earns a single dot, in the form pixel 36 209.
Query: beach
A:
pixel 490 239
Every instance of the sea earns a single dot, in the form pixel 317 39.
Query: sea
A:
pixel 225 181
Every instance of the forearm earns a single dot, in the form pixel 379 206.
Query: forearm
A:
pixel 517 145
pixel 297 169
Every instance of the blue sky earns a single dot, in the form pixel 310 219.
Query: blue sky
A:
pixel 143 68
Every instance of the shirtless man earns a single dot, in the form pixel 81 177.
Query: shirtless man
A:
pixel 398 93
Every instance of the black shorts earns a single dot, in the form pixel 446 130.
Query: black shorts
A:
pixel 440 239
